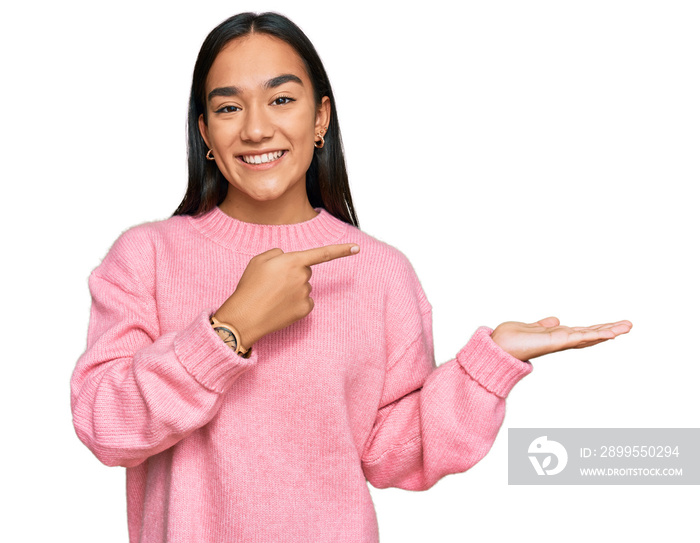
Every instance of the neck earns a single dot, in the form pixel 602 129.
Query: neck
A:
pixel 278 211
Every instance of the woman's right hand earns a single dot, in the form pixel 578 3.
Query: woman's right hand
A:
pixel 274 290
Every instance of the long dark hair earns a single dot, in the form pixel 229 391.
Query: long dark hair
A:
pixel 326 179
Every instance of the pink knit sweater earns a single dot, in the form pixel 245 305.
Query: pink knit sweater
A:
pixel 276 448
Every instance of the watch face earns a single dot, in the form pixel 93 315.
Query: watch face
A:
pixel 227 335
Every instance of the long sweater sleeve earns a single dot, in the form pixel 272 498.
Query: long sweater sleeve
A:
pixel 135 392
pixel 429 427
pixel 431 421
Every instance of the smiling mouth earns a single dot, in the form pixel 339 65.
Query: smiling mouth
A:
pixel 262 159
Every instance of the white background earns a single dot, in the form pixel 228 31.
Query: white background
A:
pixel 531 159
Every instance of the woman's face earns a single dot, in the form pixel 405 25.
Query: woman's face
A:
pixel 262 119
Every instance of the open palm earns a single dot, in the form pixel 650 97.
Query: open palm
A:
pixel 527 341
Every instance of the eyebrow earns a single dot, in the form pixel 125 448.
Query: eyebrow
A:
pixel 269 84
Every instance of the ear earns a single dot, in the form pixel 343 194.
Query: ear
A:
pixel 204 131
pixel 323 116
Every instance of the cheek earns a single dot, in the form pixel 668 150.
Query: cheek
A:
pixel 219 134
pixel 303 126
pixel 307 156
pixel 302 141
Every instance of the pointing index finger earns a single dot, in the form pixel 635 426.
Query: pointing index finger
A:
pixel 317 255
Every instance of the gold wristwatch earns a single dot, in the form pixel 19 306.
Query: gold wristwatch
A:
pixel 230 336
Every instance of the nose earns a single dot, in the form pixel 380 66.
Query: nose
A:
pixel 257 125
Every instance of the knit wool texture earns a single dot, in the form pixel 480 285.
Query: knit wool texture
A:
pixel 280 446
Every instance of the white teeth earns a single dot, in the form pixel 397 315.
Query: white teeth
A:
pixel 262 159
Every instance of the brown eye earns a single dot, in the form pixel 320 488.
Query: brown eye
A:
pixel 282 100
pixel 228 109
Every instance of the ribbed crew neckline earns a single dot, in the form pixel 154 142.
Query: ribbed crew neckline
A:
pixel 253 239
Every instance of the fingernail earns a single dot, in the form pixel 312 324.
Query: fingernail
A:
pixel 355 249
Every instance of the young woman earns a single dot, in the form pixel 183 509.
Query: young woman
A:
pixel 245 406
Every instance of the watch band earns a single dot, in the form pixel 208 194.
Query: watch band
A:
pixel 230 336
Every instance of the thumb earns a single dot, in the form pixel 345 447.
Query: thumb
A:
pixel 549 322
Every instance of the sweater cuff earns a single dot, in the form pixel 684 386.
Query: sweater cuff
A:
pixel 489 365
pixel 208 359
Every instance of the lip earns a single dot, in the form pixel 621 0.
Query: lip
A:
pixel 265 166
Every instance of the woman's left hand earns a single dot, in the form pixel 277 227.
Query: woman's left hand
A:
pixel 527 341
